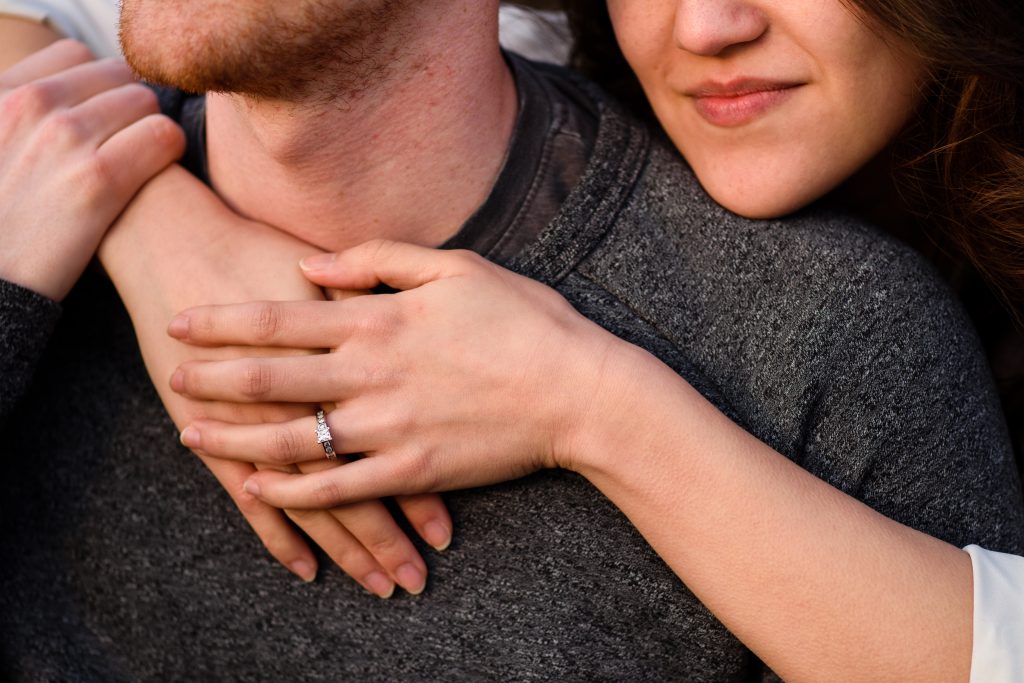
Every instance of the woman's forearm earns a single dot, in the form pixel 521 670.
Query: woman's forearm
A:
pixel 819 585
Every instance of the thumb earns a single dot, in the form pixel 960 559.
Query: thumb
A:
pixel 384 262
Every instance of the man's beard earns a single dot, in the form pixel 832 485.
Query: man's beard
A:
pixel 264 49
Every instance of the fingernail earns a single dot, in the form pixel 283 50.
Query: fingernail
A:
pixel 304 570
pixel 178 327
pixel 252 488
pixel 318 262
pixel 178 380
pixel 190 437
pixel 380 585
pixel 437 535
pixel 411 579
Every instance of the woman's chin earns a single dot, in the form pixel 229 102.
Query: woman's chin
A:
pixel 760 201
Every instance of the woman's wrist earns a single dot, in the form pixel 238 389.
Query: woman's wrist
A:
pixel 625 411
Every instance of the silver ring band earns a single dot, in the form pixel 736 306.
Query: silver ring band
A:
pixel 323 435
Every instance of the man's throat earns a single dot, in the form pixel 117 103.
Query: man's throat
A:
pixel 409 173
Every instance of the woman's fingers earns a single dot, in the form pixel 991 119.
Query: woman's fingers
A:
pixel 55 95
pixel 78 83
pixel 106 113
pixel 42 114
pixel 281 443
pixel 294 379
pixel 372 541
pixel 365 543
pixel 52 59
pixel 363 539
pixel 366 479
pixel 64 164
pixel 132 156
pixel 291 324
pixel 344 550
pixel 278 536
pixel 372 524
pixel 429 516
pixel 396 264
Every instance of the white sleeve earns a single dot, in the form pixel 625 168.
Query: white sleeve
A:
pixel 998 654
pixel 94 22
pixel 535 34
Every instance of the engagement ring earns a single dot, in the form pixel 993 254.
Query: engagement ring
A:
pixel 323 435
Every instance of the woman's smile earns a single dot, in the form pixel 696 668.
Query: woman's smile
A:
pixel 729 81
pixel 739 102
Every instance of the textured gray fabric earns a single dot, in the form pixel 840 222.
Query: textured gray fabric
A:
pixel 123 560
pixel 26 321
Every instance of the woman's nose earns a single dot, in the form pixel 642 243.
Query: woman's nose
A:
pixel 709 27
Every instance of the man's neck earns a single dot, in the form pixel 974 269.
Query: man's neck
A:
pixel 410 156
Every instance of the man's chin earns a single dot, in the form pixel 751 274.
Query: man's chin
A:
pixel 193 47
pixel 189 75
pixel 261 48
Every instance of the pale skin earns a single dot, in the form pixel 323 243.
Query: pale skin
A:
pixel 875 598
pixel 364 540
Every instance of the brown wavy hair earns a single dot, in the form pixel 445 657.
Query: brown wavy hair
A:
pixel 960 162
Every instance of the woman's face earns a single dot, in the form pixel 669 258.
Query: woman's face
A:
pixel 773 102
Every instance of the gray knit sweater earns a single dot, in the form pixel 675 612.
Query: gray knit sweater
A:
pixel 123 559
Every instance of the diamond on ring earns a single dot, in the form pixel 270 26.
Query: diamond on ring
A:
pixel 323 435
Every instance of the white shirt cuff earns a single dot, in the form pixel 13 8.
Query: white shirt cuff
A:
pixel 998 653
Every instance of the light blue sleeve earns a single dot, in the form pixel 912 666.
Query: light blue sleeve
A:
pixel 998 654
pixel 94 22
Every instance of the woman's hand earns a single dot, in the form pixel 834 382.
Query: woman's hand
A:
pixel 78 138
pixel 178 245
pixel 471 376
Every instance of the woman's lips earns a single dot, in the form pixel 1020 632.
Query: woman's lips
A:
pixel 732 106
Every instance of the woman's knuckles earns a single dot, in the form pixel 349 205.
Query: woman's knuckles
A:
pixel 284 447
pixel 95 179
pixel 165 134
pixel 380 323
pixel 65 129
pixel 28 103
pixel 387 542
pixel 326 493
pixel 417 469
pixel 265 322
pixel 257 380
